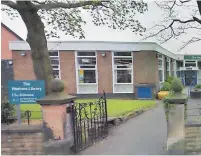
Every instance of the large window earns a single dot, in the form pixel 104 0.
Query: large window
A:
pixel 167 67
pixel 86 72
pixel 54 57
pixel 160 67
pixel 123 72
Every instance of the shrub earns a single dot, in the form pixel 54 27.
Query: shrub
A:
pixel 7 112
pixel 169 79
pixel 176 85
pixel 198 86
pixel 165 87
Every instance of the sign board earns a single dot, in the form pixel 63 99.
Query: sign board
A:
pixel 192 57
pixel 25 91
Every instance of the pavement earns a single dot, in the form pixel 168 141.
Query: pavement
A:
pixel 145 134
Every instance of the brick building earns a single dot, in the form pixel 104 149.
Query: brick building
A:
pixel 6 56
pixel 89 67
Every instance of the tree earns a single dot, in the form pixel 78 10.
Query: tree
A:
pixel 180 17
pixel 65 15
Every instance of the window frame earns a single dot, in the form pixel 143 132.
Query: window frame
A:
pixel 59 65
pixel 161 68
pixel 77 68
pixel 114 69
pixel 116 85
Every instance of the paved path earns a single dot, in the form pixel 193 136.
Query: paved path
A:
pixel 144 134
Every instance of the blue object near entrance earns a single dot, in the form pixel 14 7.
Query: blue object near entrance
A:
pixel 144 92
pixel 25 91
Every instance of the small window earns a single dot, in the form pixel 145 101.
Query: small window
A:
pixel 53 53
pixel 122 54
pixel 86 54
pixel 91 61
pixel 123 61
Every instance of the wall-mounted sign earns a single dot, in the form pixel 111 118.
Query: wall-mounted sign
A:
pixel 192 57
pixel 25 91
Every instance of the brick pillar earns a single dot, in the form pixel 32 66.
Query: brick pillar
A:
pixel 54 111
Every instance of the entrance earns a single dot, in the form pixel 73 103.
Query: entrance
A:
pixel 190 77
pixel 89 123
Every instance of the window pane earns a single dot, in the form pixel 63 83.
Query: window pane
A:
pixel 91 61
pixel 160 63
pixel 160 75
pixel 123 61
pixel 159 56
pixel 123 76
pixel 87 66
pixel 199 65
pixel 86 54
pixel 53 53
pixel 55 67
pixel 190 65
pixel 87 76
pixel 122 54
pixel 55 62
pixel 56 73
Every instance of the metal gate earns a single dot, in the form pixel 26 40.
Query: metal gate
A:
pixel 89 123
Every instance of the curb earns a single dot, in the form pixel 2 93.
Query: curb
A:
pixel 131 115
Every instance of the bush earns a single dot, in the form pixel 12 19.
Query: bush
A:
pixel 169 79
pixel 166 86
pixel 7 112
pixel 198 86
pixel 176 85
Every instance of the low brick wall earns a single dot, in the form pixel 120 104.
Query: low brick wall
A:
pixel 22 140
pixel 193 139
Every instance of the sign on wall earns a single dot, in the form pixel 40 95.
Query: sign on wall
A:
pixel 192 57
pixel 25 91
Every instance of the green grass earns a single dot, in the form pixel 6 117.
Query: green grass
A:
pixel 116 107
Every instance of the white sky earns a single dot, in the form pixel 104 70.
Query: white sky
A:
pixel 102 33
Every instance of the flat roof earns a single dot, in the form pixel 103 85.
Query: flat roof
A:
pixel 96 46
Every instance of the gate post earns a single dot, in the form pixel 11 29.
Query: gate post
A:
pixel 55 116
pixel 175 116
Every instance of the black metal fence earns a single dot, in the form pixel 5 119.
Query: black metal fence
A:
pixel 26 117
pixel 89 123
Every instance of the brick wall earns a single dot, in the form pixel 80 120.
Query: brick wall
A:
pixel 23 66
pixel 193 139
pixel 145 67
pixel 104 65
pixel 6 36
pixel 68 72
pixel 23 140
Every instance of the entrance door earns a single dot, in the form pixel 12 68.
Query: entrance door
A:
pixel 190 78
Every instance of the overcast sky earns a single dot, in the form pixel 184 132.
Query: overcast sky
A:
pixel 102 33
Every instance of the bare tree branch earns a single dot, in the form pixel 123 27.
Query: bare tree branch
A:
pixel 192 40
pixel 10 4
pixel 49 6
pixel 197 20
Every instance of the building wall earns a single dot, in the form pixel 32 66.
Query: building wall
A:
pixel 23 66
pixel 145 70
pixel 145 67
pixel 68 72
pixel 22 140
pixel 6 36
pixel 104 65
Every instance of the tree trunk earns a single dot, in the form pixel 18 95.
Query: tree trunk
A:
pixel 38 44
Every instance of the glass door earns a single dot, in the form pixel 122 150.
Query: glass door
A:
pixel 190 78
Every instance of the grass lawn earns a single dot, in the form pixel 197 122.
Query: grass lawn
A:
pixel 116 107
